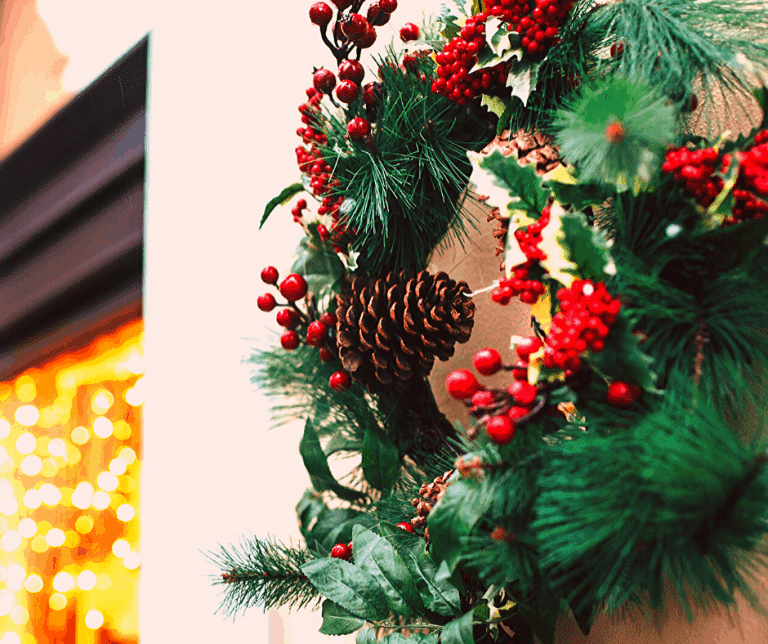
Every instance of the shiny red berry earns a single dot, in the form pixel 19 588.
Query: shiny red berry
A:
pixel 409 31
pixel 339 381
pixel 482 398
pixel 501 430
pixel 403 525
pixel 461 384
pixel 520 370
pixel 269 275
pixel 320 14
pixel 487 361
pixel 289 340
pixel 342 4
pixel 617 50
pixel 347 91
pixel 326 355
pixel 368 39
pixel 316 332
pixel 329 319
pixel 341 551
pixel 358 128
pixel 527 346
pixel 388 5
pixel 351 70
pixel 293 287
pixel 517 412
pixel 354 26
pixel 266 302
pixel 324 80
pixel 371 95
pixel 622 395
pixel 287 318
pixel 523 393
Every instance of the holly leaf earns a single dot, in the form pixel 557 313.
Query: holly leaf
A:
pixel 567 190
pixel 376 556
pixel 338 621
pixel 459 631
pixel 542 310
pixel 522 78
pixel 622 359
pixel 321 267
pixel 316 463
pixel 494 104
pixel 449 22
pixel 283 197
pixel 501 46
pixel 381 460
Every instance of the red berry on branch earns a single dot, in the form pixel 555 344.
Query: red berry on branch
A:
pixel 369 38
pixel 342 4
pixel 523 393
pixel 266 302
pixel 371 95
pixel 620 394
pixel 269 275
pixel 323 232
pixel 501 430
pixel 341 551
pixel 388 5
pixel 293 287
pixel 406 526
pixel 409 31
pixel 482 398
pixel 287 318
pixel 487 361
pixel 324 80
pixel 320 14
pixel 517 412
pixel 358 128
pixel 528 346
pixel 339 381
pixel 461 384
pixel 289 340
pixel 615 132
pixel 351 70
pixel 347 91
pixel 326 355
pixel 316 332
pixel 520 370
pixel 354 26
pixel 374 11
pixel 329 319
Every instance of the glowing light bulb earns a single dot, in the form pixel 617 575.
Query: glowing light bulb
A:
pixel 10 638
pixel 86 580
pixel 33 584
pixel 135 395
pixel 127 454
pixel 55 537
pixel 117 466
pixel 10 541
pixel 125 512
pixel 5 428
pixel 57 601
pixel 121 548
pixel 102 427
pixel 63 582
pixel 27 528
pixel 32 499
pixel 9 506
pixel 82 496
pixel 19 615
pixel 57 447
pixel 100 500
pixel 94 619
pixel 132 560
pixel 31 465
pixel 84 524
pixel 26 443
pixel 107 481
pixel 50 494
pixel 80 435
pixel 27 415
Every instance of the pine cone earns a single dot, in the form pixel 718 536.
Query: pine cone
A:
pixel 391 330
pixel 528 147
pixel 430 493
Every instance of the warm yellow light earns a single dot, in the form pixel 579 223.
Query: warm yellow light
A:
pixel 84 524
pixel 102 401
pixel 127 454
pixel 10 541
pixel 31 465
pixel 125 512
pixel 121 548
pixel 25 389
pixel 103 582
pixel 107 481
pixel 132 560
pixel 50 469
pixel 32 499
pixel 73 454
pixel 25 443
pixel 117 466
pixel 7 600
pixel 5 428
pixel 94 619
pixel 82 496
pixel 39 544
pixel 101 500
pixel 135 364
pixel 10 638
pixel 27 415
pixel 71 539
pixel 102 427
pixel 57 601
pixel 86 580
pixel 57 447
pixel 55 538
pixel 135 395
pixel 8 506
pixel 80 435
pixel 33 584
pixel 27 528
pixel 121 430
pixel 63 582
pixel 14 577
pixel 3 454
pixel 19 616
pixel 50 494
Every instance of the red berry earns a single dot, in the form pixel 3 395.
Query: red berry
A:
pixel 405 526
pixel 388 5
pixel 320 14
pixel 622 395
pixel 342 4
pixel 341 551
pixel 528 346
pixel 351 70
pixel 523 393
pixel 293 287
pixel 266 302
pixel 369 38
pixel 374 11
pixel 461 384
pixel 487 361
pixel 287 318
pixel 617 50
pixel 347 91
pixel 500 429
pixel 482 398
pixel 354 26
pixel 326 355
pixel 269 275
pixel 329 319
pixel 371 95
pixel 358 128
pixel 316 332
pixel 517 412
pixel 614 132
pixel 409 31
pixel 339 381
pixel 289 340
pixel 324 80
pixel 520 370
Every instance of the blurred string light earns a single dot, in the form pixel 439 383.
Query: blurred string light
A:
pixel 69 481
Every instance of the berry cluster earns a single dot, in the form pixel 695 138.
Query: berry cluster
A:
pixel 521 283
pixel 538 22
pixel 695 171
pixel 587 313
pixel 316 331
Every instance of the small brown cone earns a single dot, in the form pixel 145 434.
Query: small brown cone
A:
pixel 430 494
pixel 390 331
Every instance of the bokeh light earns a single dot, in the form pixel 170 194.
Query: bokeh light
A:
pixel 132 560
pixel 14 577
pixel 107 481
pixel 10 638
pixel 86 580
pixel 121 548
pixel 25 443
pixel 27 528
pixel 33 583
pixel 94 619
pixel 63 582
pixel 127 454
pixel 57 447
pixel 10 541
pixel 57 601
pixel 80 435
pixel 19 615
pixel 102 401
pixel 84 524
pixel 31 465
pixel 27 415
pixel 117 466
pixel 101 500
pixel 32 499
pixel 102 427
pixel 55 537
pixel 5 428
pixel 125 512
pixel 50 494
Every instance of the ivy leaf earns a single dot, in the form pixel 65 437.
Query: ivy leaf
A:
pixel 622 359
pixel 376 556
pixel 283 197
pixel 459 631
pixel 522 78
pixel 316 463
pixel 319 266
pixel 440 597
pixel 381 460
pixel 338 621
pixel 348 586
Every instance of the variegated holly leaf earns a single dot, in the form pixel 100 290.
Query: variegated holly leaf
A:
pixel 522 78
pixel 502 46
pixel 494 104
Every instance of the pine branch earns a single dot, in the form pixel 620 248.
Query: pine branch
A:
pixel 263 573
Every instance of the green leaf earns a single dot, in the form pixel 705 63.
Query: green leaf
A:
pixel 317 466
pixel 338 621
pixel 421 638
pixel 494 104
pixel 381 461
pixel 542 625
pixel 284 196
pixel 376 556
pixel 459 631
pixel 448 20
pixel 454 517
pixel 321 267
pixel 522 78
pixel 586 246
pixel 335 526
pixel 438 596
pixel 348 586
pixel 366 637
pixel 723 203
pixel 622 359
pixel 564 185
